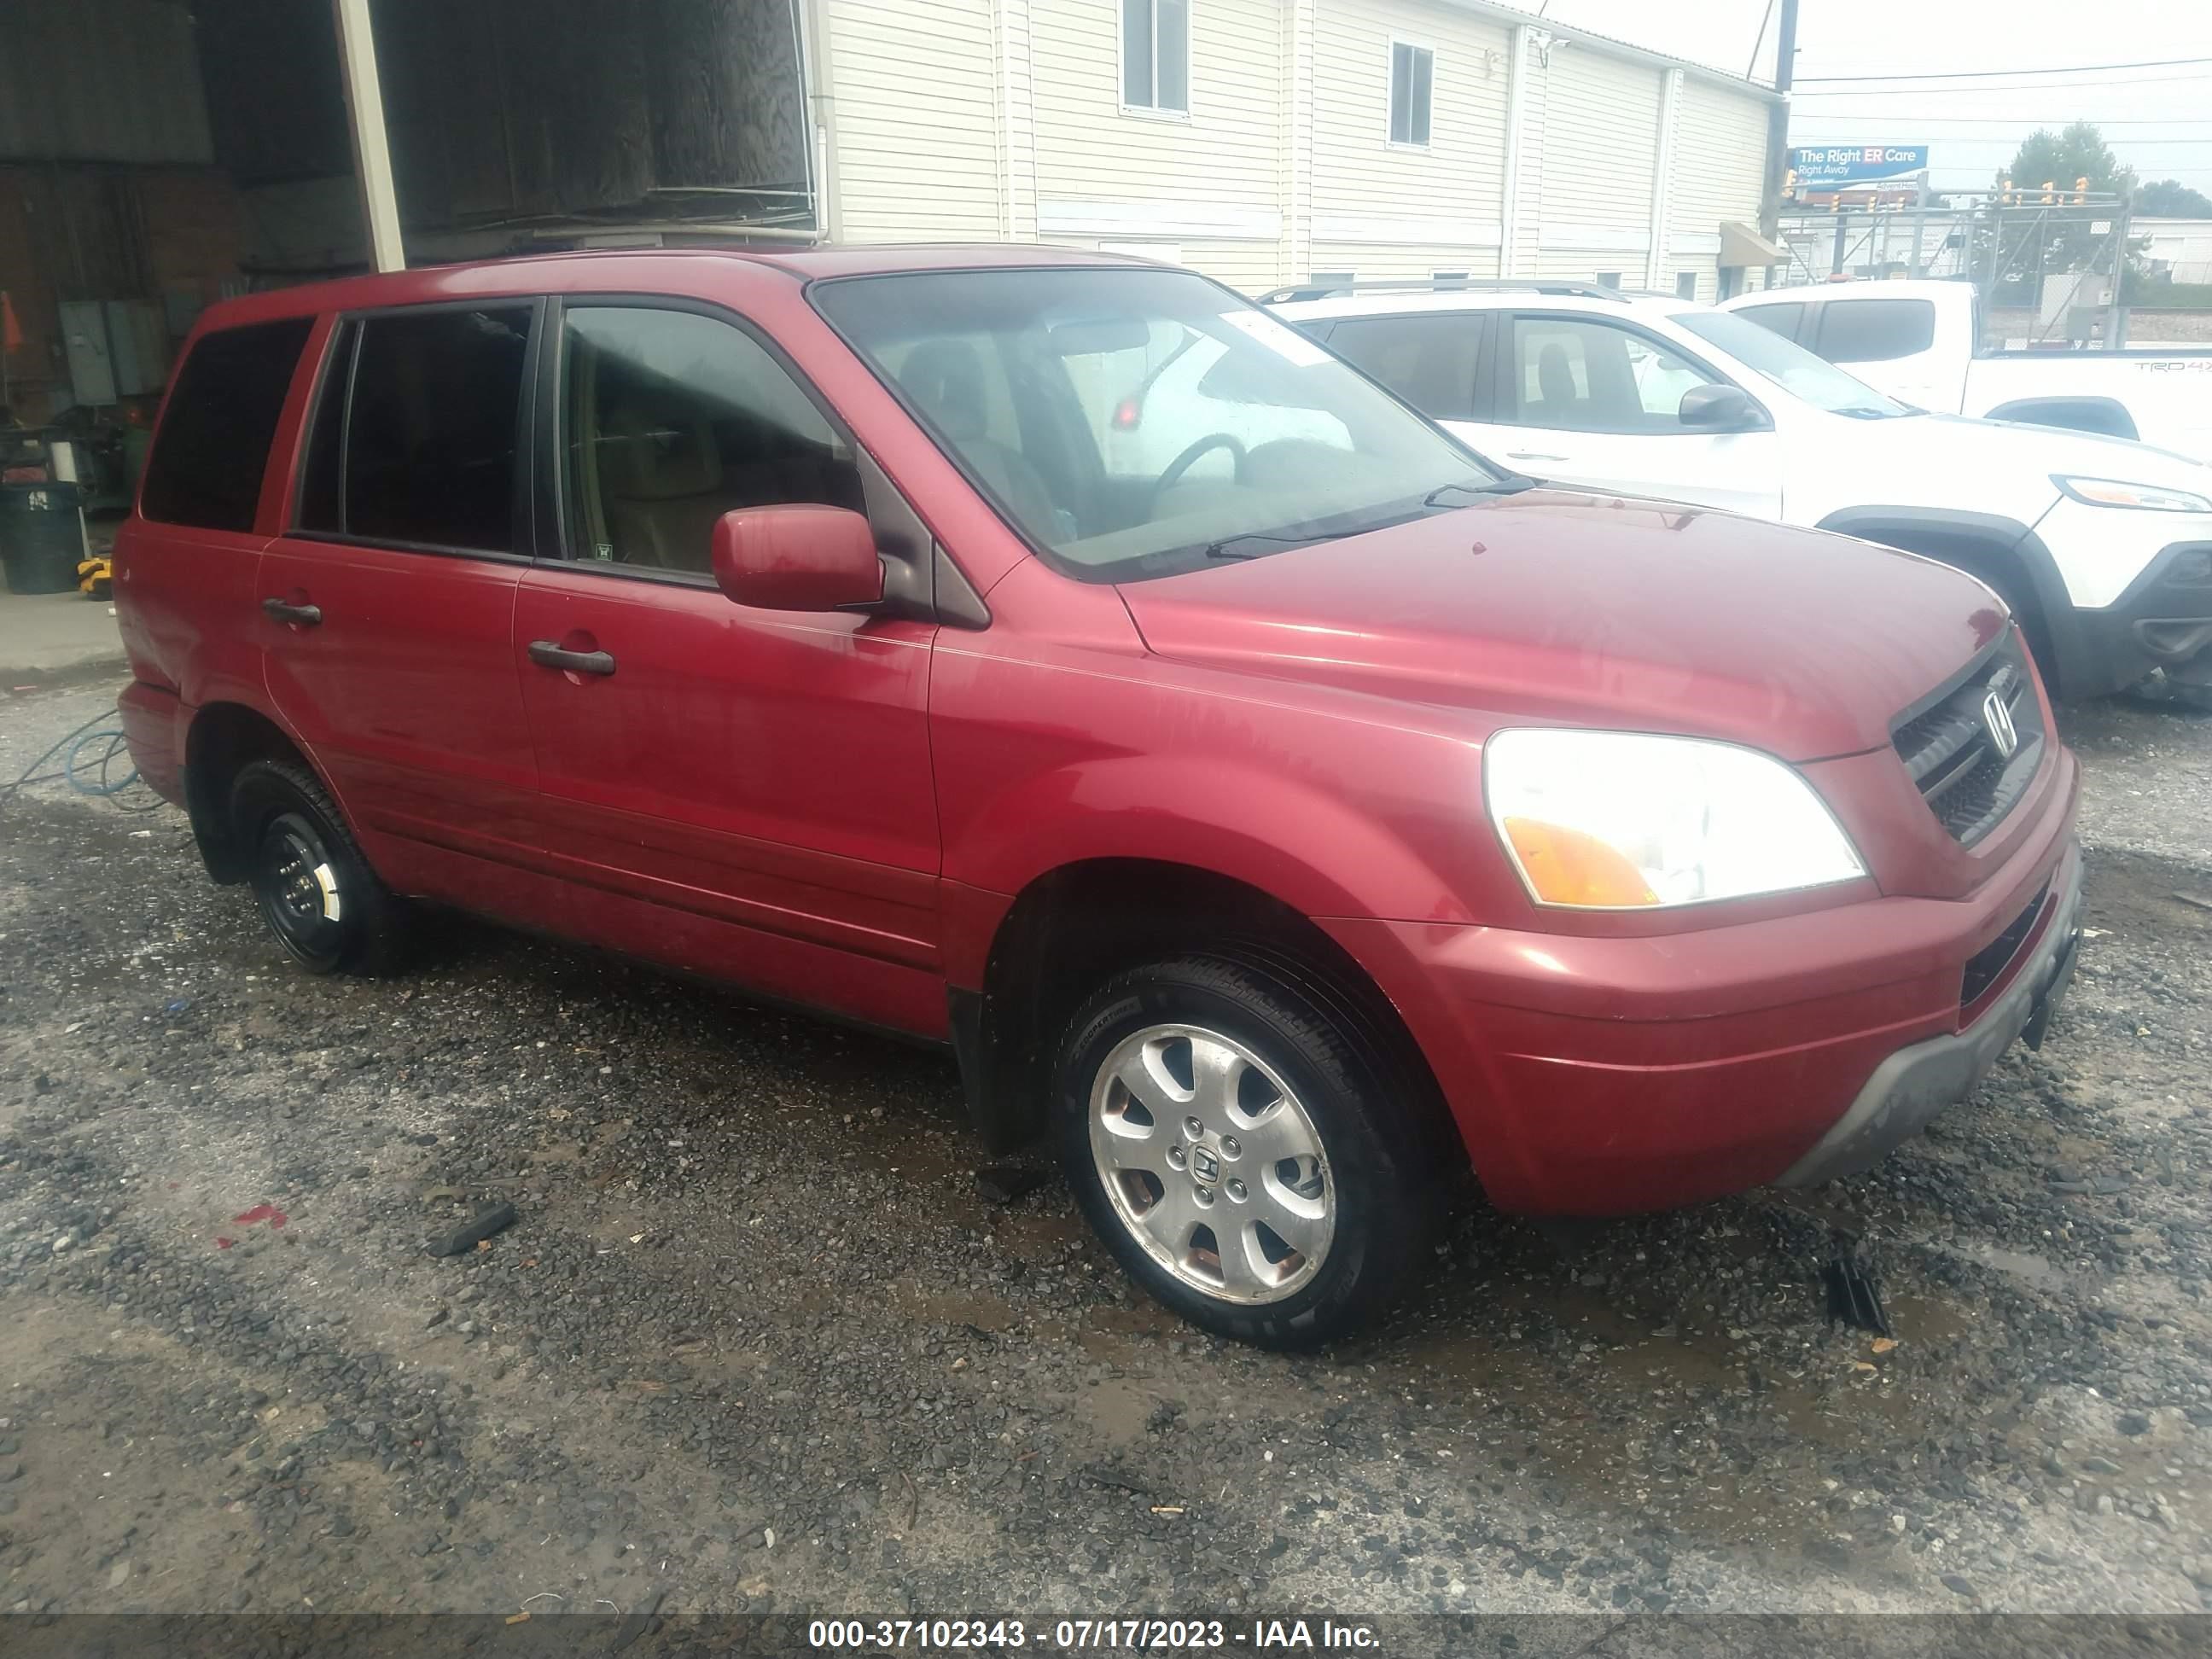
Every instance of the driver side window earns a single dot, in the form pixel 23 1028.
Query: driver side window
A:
pixel 1577 374
pixel 674 419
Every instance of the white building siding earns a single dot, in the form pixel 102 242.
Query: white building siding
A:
pixel 915 85
pixel 1408 260
pixel 1389 209
pixel 1213 177
pixel 1601 141
pixel 1719 172
pixel 980 120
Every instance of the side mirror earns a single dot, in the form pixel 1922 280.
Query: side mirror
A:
pixel 798 558
pixel 1719 409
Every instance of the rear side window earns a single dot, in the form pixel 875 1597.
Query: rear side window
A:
pixel 1782 319
pixel 1431 361
pixel 1874 330
pixel 213 447
pixel 416 434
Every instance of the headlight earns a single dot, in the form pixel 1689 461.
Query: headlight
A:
pixel 1618 820
pixel 2110 492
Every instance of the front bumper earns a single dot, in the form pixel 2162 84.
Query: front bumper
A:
pixel 1601 1073
pixel 1916 1082
pixel 2163 621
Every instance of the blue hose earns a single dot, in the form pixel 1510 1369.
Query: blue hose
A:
pixel 100 783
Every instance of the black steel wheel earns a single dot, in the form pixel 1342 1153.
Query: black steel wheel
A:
pixel 326 906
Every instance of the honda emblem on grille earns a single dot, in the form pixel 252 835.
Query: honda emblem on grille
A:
pixel 1998 719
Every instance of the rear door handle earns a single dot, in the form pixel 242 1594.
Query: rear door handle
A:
pixel 548 654
pixel 307 615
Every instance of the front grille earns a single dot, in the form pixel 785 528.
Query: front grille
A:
pixel 1986 964
pixel 1950 747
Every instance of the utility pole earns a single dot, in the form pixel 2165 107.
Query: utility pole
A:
pixel 1777 122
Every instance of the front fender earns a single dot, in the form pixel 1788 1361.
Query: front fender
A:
pixel 1307 848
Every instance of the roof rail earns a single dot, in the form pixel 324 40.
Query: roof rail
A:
pixel 1442 285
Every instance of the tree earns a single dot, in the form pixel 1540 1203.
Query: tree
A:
pixel 2059 158
pixel 2035 240
pixel 2169 198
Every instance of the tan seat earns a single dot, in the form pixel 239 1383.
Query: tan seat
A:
pixel 1555 381
pixel 661 484
pixel 945 378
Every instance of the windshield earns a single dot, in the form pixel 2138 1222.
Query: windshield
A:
pixel 1789 366
pixel 1132 422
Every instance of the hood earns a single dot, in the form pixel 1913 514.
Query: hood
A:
pixel 2035 453
pixel 1572 608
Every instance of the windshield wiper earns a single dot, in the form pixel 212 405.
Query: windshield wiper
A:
pixel 1512 484
pixel 1220 550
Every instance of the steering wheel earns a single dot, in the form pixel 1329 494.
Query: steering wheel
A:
pixel 1184 462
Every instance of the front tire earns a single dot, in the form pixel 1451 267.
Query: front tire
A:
pixel 326 906
pixel 1239 1139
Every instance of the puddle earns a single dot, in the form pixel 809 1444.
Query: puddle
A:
pixel 1118 1411
pixel 2041 1272
pixel 985 1313
pixel 1030 1233
pixel 1924 1318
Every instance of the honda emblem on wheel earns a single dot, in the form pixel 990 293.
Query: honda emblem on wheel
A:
pixel 1205 1165
pixel 1998 719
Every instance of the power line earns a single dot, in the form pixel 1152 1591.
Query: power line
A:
pixel 1981 75
pixel 2015 120
pixel 2017 86
pixel 2003 139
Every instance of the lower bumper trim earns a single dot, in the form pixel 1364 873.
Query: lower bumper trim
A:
pixel 1915 1084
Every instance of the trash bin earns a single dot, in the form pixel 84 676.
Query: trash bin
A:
pixel 41 536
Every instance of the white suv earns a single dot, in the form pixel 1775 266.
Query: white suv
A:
pixel 2101 547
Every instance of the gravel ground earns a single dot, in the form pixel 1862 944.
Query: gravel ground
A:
pixel 758 1342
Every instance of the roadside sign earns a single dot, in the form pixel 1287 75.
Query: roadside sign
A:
pixel 1845 164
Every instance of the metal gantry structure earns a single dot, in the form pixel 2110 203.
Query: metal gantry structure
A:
pixel 2050 264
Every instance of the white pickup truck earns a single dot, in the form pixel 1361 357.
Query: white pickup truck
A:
pixel 1920 341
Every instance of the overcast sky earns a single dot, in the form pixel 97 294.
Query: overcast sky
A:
pixel 2157 120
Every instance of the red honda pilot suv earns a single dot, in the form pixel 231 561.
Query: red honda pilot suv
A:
pixel 1265 797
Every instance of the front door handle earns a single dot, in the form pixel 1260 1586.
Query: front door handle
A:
pixel 306 615
pixel 548 653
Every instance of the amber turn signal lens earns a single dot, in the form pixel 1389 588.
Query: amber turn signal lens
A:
pixel 1566 866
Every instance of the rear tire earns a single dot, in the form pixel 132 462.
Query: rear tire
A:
pixel 1236 1138
pixel 328 909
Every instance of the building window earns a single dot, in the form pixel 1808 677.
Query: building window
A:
pixel 1609 279
pixel 1412 70
pixel 1450 278
pixel 1156 55
pixel 1685 285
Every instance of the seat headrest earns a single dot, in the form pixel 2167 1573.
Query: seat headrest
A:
pixel 1555 375
pixel 654 450
pixel 945 377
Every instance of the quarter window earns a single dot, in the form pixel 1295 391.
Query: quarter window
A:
pixel 206 467
pixel 1412 72
pixel 1578 376
pixel 1874 330
pixel 1431 361
pixel 1156 55
pixel 674 419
